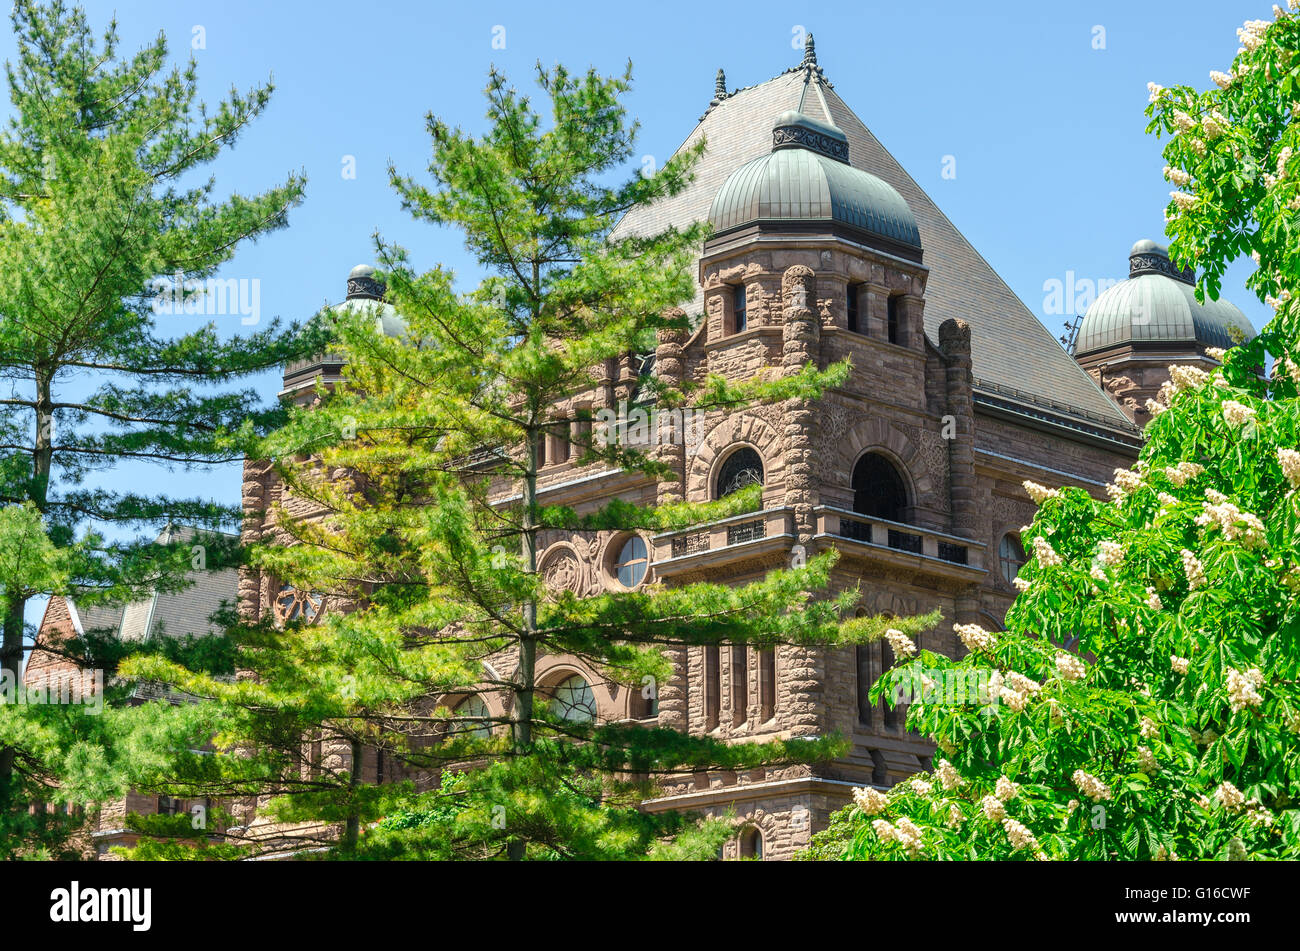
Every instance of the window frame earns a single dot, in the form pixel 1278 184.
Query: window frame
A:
pixel 739 309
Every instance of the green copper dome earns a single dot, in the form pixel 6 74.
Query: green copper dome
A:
pixel 1157 304
pixel 807 178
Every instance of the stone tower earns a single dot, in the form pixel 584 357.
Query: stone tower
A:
pixel 1134 330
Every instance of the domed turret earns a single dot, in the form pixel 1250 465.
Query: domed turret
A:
pixel 365 291
pixel 1134 330
pixel 806 182
pixel 1157 306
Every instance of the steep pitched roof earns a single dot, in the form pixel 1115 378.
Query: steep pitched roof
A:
pixel 1011 349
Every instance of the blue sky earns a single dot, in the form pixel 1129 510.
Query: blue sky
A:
pixel 1054 173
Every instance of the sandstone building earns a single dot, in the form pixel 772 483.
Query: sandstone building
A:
pixel 823 247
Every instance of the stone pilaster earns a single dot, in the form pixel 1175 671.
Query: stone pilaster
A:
pixel 954 344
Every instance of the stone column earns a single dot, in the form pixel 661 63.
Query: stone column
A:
pixel 256 497
pixel 874 311
pixel 805 668
pixel 954 344
pixel 910 317
pixel 670 366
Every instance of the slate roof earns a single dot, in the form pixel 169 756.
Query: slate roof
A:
pixel 1011 349
pixel 173 613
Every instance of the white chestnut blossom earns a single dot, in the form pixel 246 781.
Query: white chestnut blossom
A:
pixel 1179 474
pixel 1019 836
pixel 1187 378
pixel 1070 667
pixel 1153 600
pixel 1232 522
pixel 1289 460
pixel 993 808
pixel 1242 686
pixel 1229 796
pixel 1111 553
pixel 1022 584
pixel 1045 553
pixel 900 642
pixel 1193 569
pixel 1179 664
pixel 974 637
pixel 948 775
pixel 869 800
pixel 1090 785
pixel 1040 493
pixel 1006 789
pixel 1237 414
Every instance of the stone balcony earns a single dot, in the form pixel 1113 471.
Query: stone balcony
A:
pixel 760 533
pixel 724 541
pixel 898 544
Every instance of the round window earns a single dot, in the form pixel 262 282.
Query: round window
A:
pixel 631 563
pixel 1011 557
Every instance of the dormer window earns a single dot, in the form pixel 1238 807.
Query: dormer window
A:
pixel 740 317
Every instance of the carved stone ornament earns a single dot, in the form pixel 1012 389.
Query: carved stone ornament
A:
pixel 293 605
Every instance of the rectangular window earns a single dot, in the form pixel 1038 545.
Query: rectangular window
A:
pixel 895 329
pixel 582 429
pixel 741 315
pixel 865 681
pixel 767 683
pixel 854 320
pixel 559 443
pixel 712 686
pixel 739 685
pixel 891 713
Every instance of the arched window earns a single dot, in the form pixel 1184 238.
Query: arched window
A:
pixel 573 700
pixel 630 565
pixel 1011 556
pixel 741 469
pixel 476 712
pixel 878 489
pixel 751 844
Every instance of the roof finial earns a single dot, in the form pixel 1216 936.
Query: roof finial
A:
pixel 809 51
pixel 720 86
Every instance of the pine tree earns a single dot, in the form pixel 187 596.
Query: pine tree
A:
pixel 417 523
pixel 105 228
pixel 1168 730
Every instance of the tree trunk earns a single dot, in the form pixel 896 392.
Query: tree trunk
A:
pixel 352 829
pixel 15 603
pixel 526 674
